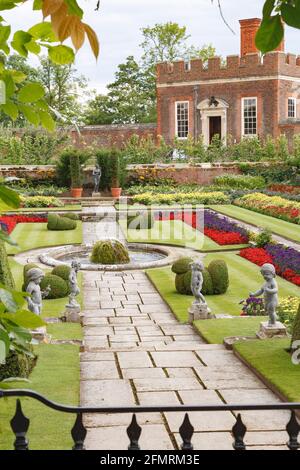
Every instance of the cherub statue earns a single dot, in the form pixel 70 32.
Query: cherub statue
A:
pixel 34 277
pixel 270 292
pixel 73 284
pixel 197 281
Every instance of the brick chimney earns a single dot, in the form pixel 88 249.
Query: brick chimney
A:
pixel 249 28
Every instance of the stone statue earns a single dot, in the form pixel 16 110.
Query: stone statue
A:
pixel 34 277
pixel 197 281
pixel 97 172
pixel 270 292
pixel 73 284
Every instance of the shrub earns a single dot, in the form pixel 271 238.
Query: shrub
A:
pixel 6 277
pixel 240 182
pixel 71 216
pixel 75 170
pixel 41 201
pixel 263 238
pixel 55 222
pixel 63 172
pixel 181 266
pixel 115 168
pixel 59 287
pixel 139 221
pixel 287 311
pixel 215 197
pixel 296 328
pixel 183 283
pixel 109 252
pixel 219 275
pixel 274 206
pixel 62 271
pixel 17 365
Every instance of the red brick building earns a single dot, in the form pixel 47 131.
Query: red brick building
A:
pixel 249 95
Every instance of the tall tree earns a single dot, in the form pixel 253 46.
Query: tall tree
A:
pixel 64 87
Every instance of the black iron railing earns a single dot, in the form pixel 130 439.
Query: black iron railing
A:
pixel 20 423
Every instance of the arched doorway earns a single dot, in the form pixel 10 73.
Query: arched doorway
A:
pixel 213 113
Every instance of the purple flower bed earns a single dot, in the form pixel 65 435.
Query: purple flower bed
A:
pixel 284 257
pixel 222 223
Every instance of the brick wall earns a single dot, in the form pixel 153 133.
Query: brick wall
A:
pixel 114 134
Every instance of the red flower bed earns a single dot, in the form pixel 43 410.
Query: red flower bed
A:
pixel 224 238
pixel 284 188
pixel 260 256
pixel 8 222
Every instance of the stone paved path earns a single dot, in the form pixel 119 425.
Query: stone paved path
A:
pixel 137 353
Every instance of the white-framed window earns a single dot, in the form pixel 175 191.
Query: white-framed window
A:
pixel 182 119
pixel 249 116
pixel 292 107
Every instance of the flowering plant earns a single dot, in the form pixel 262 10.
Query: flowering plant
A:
pixel 274 206
pixel 253 306
pixel 8 222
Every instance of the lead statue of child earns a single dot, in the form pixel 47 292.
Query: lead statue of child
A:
pixel 270 292
pixel 73 284
pixel 34 301
pixel 197 282
pixel 97 172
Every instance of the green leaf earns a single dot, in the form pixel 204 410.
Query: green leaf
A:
pixel 10 109
pixel 4 33
pixel 4 345
pixel 291 14
pixel 19 40
pixel 8 4
pixel 6 238
pixel 47 121
pixel 7 299
pixel 25 319
pixel 33 47
pixel 18 76
pixel 30 114
pixel 9 84
pixel 31 92
pixel 9 197
pixel 268 8
pixel 61 55
pixel 42 104
pixel 43 31
pixel 37 4
pixel 74 8
pixel 270 34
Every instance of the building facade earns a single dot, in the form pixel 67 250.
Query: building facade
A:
pixel 249 95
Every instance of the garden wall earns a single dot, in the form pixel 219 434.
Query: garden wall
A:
pixel 181 173
pixel 113 134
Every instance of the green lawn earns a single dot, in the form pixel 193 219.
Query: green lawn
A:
pixel 277 226
pixel 34 235
pixel 269 357
pixel 56 376
pixel 244 277
pixel 214 331
pixel 174 232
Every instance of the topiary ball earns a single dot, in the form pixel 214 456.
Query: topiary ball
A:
pixel 109 252
pixel 183 283
pixel 62 271
pixel 59 287
pixel 296 329
pixel 55 222
pixel 219 275
pixel 182 265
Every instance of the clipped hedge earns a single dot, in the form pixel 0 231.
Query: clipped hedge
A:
pixel 55 222
pixel 6 277
pixel 296 329
pixel 59 287
pixel 17 365
pixel 62 271
pixel 109 252
pixel 183 283
pixel 219 274
pixel 140 221
pixel 215 197
pixel 182 265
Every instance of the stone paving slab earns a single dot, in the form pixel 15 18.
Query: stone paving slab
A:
pixel 106 393
pixel 144 385
pixel 143 373
pixel 180 358
pixel 98 370
pixel 209 440
pixel 120 419
pixel 129 360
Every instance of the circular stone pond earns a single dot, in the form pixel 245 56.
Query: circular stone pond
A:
pixel 142 256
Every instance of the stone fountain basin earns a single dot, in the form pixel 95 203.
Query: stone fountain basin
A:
pixel 54 257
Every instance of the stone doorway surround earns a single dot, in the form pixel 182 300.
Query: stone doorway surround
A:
pixel 208 110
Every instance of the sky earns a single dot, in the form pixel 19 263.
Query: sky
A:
pixel 118 24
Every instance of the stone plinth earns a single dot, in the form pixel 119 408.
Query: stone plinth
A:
pixel 199 312
pixel 96 194
pixel 40 335
pixel 72 314
pixel 271 331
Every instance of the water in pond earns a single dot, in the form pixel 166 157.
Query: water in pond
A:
pixel 136 257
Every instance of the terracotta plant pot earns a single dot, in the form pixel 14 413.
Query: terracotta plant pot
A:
pixel 116 192
pixel 76 192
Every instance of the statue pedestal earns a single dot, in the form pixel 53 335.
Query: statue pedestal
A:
pixel 40 335
pixel 96 194
pixel 199 312
pixel 72 314
pixel 271 331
